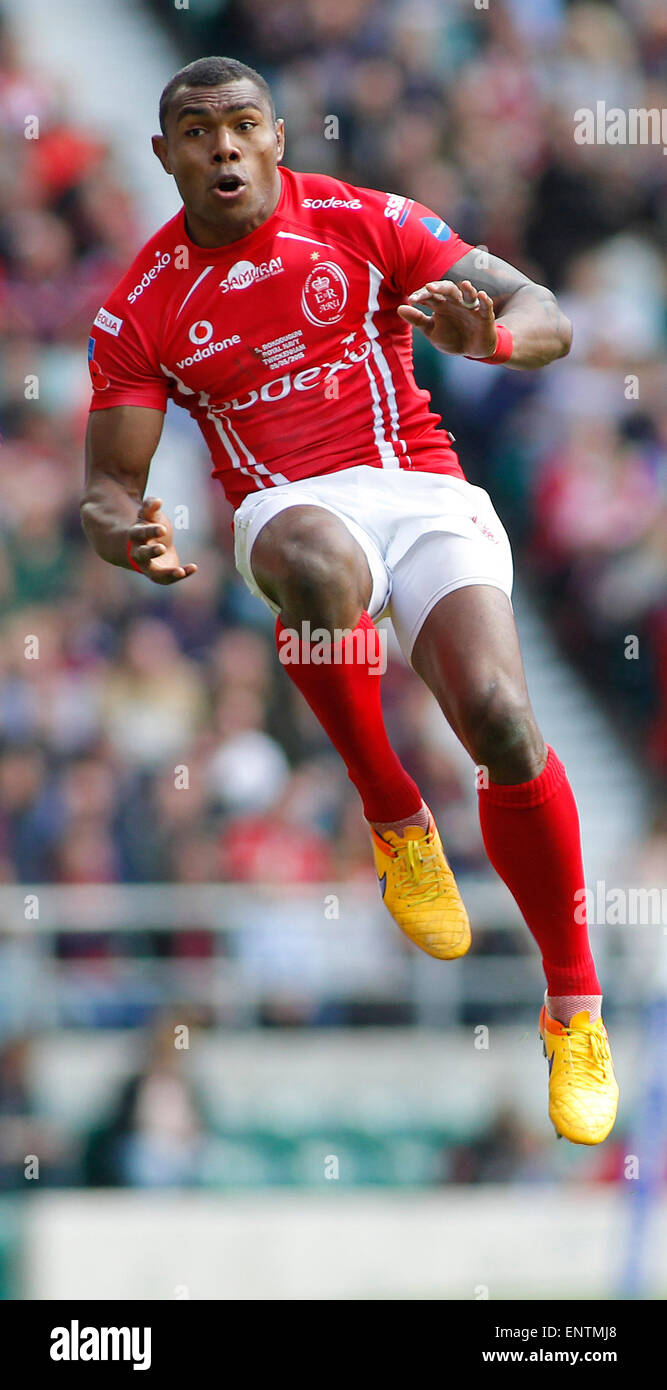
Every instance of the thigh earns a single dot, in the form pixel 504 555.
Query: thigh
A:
pixel 267 526
pixel 442 562
pixel 468 654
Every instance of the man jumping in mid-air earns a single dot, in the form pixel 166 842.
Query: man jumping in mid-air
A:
pixel 278 308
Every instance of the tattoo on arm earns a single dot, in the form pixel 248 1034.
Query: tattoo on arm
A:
pixel 511 290
pixel 497 278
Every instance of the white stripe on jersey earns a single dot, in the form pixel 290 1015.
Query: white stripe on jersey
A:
pixel 191 291
pixel 254 466
pixel 385 447
pixel 292 236
pixel 187 390
pixel 227 444
pixel 376 281
pixel 389 459
pixel 276 478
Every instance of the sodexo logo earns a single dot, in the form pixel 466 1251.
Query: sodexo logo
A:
pixel 353 203
pixel 280 386
pixel 149 275
pixel 246 273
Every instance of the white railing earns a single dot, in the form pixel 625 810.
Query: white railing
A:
pixel 328 943
pixel 219 906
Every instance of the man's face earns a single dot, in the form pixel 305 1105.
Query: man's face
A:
pixel 223 147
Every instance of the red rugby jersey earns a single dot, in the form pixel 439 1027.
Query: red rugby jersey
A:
pixel 285 346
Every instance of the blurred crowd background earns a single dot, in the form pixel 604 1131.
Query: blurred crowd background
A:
pixel 475 119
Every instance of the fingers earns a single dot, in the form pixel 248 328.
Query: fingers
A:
pixel 150 542
pixel 437 292
pixel 150 507
pixel 139 534
pixel 145 553
pixel 415 317
pixel 147 535
pixel 170 576
pixel 470 294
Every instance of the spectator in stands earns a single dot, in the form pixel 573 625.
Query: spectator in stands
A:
pixel 155 1135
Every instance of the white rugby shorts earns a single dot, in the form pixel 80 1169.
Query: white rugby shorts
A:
pixel 423 535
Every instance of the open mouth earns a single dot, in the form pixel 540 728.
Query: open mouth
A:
pixel 229 186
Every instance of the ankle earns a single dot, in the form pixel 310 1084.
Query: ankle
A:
pixel 563 1007
pixel 420 818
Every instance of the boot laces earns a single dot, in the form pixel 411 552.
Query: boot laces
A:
pixel 589 1055
pixel 419 871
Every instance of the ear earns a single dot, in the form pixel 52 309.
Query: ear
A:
pixel 159 143
pixel 280 139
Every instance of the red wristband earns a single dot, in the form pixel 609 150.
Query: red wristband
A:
pixel 133 563
pixel 504 347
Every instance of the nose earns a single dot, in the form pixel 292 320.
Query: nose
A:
pixel 225 148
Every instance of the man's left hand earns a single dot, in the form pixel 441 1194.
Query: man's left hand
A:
pixel 462 320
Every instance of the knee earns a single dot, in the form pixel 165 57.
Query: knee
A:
pixel 502 734
pixel 314 569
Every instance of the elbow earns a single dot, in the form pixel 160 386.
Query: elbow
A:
pixel 85 513
pixel 564 336
pixel 559 335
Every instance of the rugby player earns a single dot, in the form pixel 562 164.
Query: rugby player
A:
pixel 278 308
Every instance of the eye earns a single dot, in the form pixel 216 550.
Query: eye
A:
pixel 251 124
pixel 194 130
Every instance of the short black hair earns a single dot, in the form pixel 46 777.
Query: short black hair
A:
pixel 211 72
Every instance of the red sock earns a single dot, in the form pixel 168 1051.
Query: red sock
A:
pixel 344 694
pixel 531 834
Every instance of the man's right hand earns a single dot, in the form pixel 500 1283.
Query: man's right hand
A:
pixel 152 545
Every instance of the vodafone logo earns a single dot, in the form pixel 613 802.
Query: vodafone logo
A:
pixel 324 294
pixel 200 332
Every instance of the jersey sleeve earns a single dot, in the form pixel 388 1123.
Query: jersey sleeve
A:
pixel 121 367
pixel 419 244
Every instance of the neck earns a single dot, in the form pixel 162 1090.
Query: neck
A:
pixel 210 237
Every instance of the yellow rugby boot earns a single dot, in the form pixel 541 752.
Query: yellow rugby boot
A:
pixel 419 890
pixel 583 1093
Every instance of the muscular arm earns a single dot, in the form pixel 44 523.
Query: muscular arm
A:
pixel 540 330
pixel 120 443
